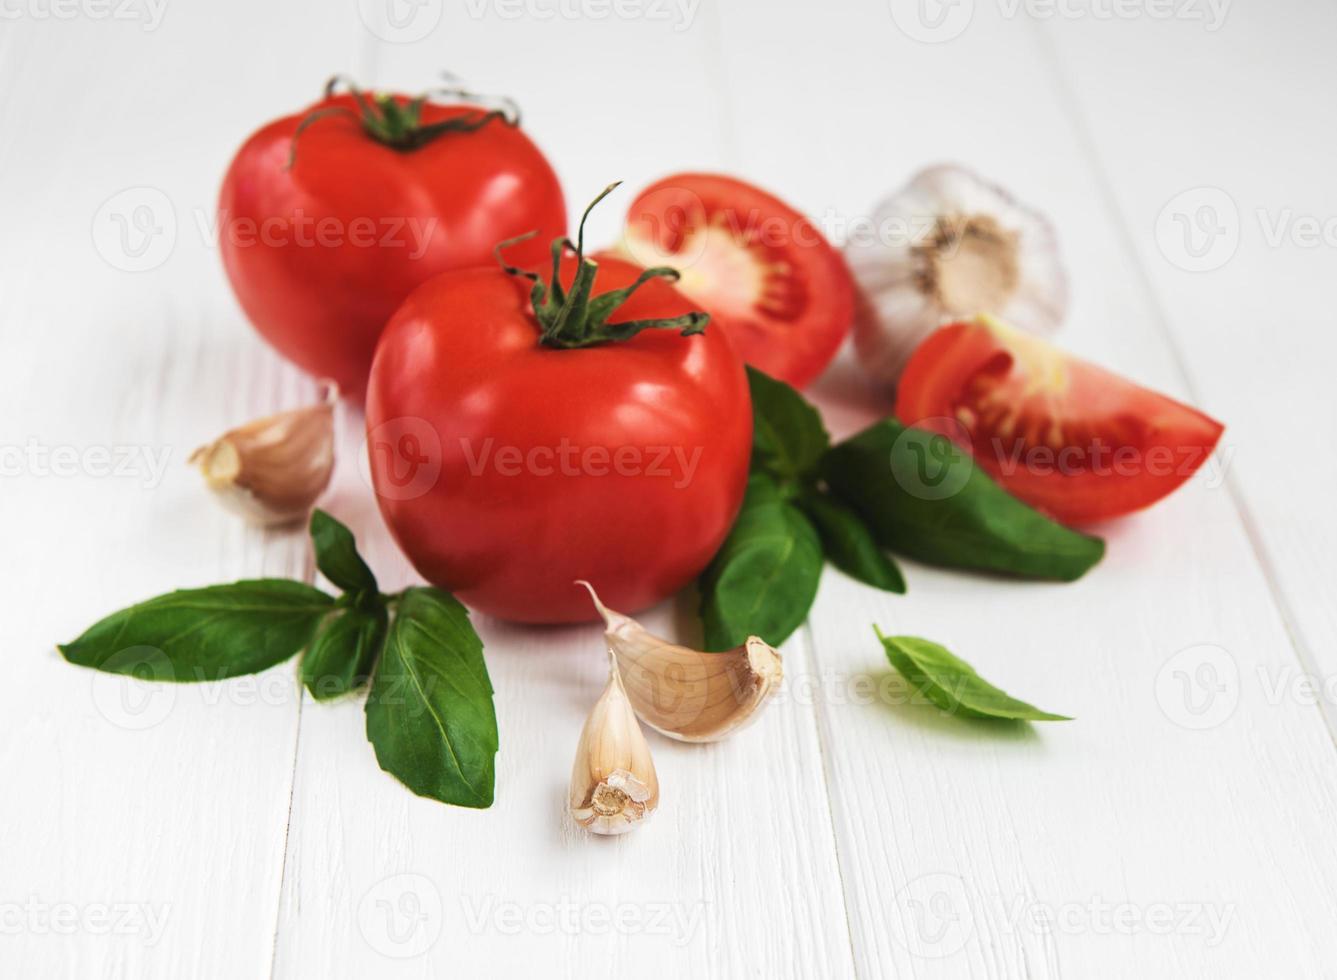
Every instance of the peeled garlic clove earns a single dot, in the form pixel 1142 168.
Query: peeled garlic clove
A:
pixel 684 693
pixel 947 247
pixel 613 781
pixel 272 471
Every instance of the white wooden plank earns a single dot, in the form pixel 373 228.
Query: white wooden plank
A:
pixel 736 874
pixel 951 841
pixel 123 800
pixel 1252 315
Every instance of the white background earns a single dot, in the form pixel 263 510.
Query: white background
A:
pixel 1182 826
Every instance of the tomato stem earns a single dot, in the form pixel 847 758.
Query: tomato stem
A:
pixel 577 318
pixel 396 122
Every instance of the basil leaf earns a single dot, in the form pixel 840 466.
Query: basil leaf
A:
pixel 429 715
pixel 343 653
pixel 204 634
pixel 764 577
pixel 849 544
pixel 337 557
pixel 952 684
pixel 924 497
pixel 788 438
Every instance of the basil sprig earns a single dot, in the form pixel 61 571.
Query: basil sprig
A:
pixel 205 634
pixel 925 498
pixel 889 488
pixel 430 715
pixel 952 684
pixel 764 578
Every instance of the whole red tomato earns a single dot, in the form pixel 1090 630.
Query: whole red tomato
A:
pixel 325 231
pixel 515 451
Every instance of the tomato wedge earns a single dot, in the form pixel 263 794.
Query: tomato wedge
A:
pixel 765 273
pixel 1064 435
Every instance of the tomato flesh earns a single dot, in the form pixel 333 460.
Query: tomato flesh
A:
pixel 764 272
pixel 321 254
pixel 507 469
pixel 1064 435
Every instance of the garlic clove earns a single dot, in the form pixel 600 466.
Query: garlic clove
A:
pixel 613 781
pixel 271 471
pixel 688 694
pixel 946 247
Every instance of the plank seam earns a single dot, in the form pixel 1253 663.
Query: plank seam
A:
pixel 820 724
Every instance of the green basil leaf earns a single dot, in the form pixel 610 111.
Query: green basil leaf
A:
pixel 204 634
pixel 337 557
pixel 788 438
pixel 430 715
pixel 764 578
pixel 849 544
pixel 952 684
pixel 924 497
pixel 343 653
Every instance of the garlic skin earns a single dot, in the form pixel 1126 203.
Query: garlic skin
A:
pixel 949 246
pixel 613 782
pixel 271 471
pixel 688 694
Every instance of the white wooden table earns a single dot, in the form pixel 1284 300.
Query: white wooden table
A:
pixel 1183 826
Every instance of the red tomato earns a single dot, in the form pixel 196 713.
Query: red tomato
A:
pixel 1061 434
pixel 320 255
pixel 507 468
pixel 761 270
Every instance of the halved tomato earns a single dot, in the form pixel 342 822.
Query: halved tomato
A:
pixel 766 275
pixel 1060 433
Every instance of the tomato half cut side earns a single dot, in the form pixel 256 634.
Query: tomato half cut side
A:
pixel 766 275
pixel 1062 434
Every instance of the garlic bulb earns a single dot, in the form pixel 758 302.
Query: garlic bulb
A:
pixel 684 693
pixel 613 781
pixel 272 470
pixel 946 247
